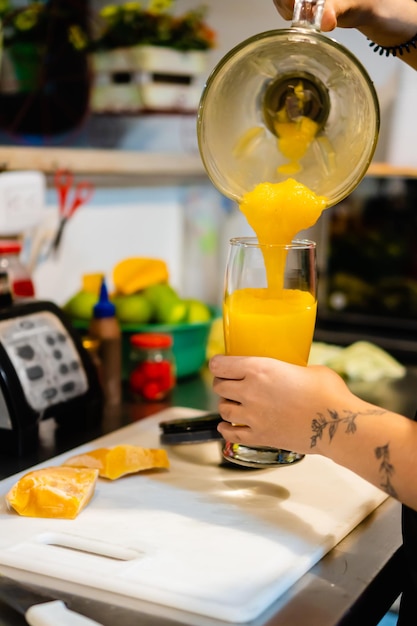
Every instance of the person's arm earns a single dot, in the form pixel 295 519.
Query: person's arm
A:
pixel 386 22
pixel 311 410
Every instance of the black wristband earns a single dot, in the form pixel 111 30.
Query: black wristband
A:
pixel 395 50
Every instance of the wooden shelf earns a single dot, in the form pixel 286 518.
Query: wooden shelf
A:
pixel 102 162
pixel 144 166
pixel 386 170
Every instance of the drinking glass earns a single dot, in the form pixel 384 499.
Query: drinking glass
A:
pixel 269 310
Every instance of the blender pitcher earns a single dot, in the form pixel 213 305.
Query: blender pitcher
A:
pixel 249 114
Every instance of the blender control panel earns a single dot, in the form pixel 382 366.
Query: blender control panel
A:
pixel 44 358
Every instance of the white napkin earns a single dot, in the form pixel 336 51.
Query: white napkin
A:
pixel 361 361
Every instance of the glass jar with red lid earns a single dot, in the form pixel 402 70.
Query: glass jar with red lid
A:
pixel 19 276
pixel 153 365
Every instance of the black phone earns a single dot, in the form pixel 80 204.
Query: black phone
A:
pixel 190 429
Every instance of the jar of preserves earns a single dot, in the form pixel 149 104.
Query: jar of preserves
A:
pixel 153 366
pixel 19 276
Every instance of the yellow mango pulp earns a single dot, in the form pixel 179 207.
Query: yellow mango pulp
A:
pixel 278 211
pixel 264 322
pixel 273 321
pixel 294 138
pixel 294 134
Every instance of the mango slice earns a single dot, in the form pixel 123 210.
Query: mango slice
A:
pixel 59 492
pixel 92 283
pixel 137 273
pixel 120 460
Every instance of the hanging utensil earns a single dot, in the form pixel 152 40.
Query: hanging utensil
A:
pixel 81 193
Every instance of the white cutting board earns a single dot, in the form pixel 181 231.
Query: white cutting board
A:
pixel 219 542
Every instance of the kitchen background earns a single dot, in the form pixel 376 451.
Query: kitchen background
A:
pixel 182 219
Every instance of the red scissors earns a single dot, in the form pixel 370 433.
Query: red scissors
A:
pixel 81 194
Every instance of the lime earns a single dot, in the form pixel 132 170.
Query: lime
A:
pixel 171 311
pixel 133 309
pixel 197 311
pixel 168 306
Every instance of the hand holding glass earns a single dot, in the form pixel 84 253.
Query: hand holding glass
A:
pixel 269 310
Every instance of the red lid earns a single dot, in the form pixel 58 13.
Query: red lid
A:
pixel 10 246
pixel 151 340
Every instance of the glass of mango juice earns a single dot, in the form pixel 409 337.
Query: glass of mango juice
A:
pixel 269 310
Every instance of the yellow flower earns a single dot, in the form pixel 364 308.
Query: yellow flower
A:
pixel 77 37
pixel 27 19
pixel 132 7
pixel 159 6
pixel 109 12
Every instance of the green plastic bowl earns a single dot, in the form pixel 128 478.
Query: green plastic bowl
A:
pixel 189 343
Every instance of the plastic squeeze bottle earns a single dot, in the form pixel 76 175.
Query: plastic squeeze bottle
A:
pixel 105 327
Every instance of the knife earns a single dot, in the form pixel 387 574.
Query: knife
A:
pixel 37 608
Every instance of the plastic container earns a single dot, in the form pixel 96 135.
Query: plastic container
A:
pixel 153 375
pixel 105 327
pixel 20 279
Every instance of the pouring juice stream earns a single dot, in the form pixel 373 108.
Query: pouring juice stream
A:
pixel 274 321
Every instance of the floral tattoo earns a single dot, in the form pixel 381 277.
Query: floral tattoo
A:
pixel 386 470
pixel 333 420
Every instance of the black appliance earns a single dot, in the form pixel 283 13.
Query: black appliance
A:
pixel 45 372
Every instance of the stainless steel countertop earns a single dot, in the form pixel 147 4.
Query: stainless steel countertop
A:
pixel 356 582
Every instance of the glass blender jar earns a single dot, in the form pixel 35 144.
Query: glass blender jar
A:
pixel 301 73
pixel 262 95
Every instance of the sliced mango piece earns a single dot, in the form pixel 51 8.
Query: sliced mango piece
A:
pixel 137 273
pixel 92 283
pixel 59 492
pixel 124 459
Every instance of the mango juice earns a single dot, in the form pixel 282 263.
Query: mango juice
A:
pixel 263 322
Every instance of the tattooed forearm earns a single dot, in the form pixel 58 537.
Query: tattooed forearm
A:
pixel 333 420
pixel 386 469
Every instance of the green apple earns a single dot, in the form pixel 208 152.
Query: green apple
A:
pixel 158 292
pixel 80 306
pixel 133 309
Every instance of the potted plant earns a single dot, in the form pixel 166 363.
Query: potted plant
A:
pixel 44 63
pixel 26 34
pixel 156 52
